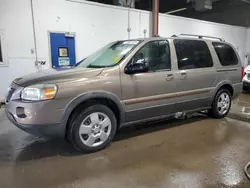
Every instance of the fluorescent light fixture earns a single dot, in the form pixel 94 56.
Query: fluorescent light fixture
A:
pixel 177 10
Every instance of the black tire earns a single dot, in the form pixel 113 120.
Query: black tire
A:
pixel 214 112
pixel 75 124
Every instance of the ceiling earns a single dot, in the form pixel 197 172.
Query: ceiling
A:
pixel 233 12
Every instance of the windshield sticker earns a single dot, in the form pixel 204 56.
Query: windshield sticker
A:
pixel 116 60
pixel 131 42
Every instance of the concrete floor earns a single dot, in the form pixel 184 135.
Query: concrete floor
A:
pixel 196 153
pixel 241 107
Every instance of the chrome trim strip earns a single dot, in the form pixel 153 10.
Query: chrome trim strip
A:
pixel 166 96
pixel 227 69
pixel 193 92
pixel 149 99
pixel 149 107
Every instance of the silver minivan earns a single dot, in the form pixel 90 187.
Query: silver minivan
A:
pixel 127 82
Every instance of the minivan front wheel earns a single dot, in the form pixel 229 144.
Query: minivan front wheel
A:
pixel 93 128
pixel 221 104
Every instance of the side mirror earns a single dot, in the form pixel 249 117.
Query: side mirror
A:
pixel 138 66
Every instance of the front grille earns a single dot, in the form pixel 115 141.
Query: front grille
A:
pixel 10 93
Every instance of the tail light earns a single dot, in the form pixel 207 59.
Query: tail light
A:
pixel 242 73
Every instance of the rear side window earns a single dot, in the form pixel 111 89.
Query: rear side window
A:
pixel 192 54
pixel 226 54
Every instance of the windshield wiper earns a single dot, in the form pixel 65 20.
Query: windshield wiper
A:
pixel 96 66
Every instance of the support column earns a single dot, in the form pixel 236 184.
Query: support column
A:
pixel 155 18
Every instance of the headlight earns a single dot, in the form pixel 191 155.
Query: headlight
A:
pixel 39 92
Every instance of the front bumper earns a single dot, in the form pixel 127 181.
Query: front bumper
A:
pixel 246 82
pixel 42 118
pixel 246 85
pixel 52 130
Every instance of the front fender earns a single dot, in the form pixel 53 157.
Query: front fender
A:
pixel 92 95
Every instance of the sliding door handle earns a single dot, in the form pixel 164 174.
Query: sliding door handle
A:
pixel 183 75
pixel 169 77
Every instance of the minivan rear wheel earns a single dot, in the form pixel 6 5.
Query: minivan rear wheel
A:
pixel 93 128
pixel 221 104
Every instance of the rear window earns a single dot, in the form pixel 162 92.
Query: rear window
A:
pixel 192 54
pixel 226 54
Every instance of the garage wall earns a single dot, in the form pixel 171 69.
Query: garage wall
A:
pixel 94 24
pixel 95 30
pixel 248 41
pixel 247 48
pixel 92 30
pixel 15 24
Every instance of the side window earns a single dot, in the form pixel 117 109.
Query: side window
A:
pixel 225 53
pixel 156 54
pixel 192 54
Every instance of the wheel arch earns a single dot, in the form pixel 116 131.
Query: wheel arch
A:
pixel 224 85
pixel 103 97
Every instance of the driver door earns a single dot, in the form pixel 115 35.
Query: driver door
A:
pixel 150 94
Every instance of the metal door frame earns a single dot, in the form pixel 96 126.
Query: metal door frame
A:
pixel 49 41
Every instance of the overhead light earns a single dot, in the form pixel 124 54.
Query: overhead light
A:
pixel 177 10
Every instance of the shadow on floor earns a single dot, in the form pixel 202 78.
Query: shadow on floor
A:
pixel 50 147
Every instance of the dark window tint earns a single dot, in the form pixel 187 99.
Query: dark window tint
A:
pixel 1 54
pixel 192 54
pixel 226 54
pixel 156 54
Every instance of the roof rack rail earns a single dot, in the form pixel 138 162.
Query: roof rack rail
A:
pixel 200 36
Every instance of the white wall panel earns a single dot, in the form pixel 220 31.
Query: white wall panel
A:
pixel 247 47
pixel 15 21
pixel 94 25
pixel 248 41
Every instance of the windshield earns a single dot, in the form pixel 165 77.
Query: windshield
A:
pixel 109 55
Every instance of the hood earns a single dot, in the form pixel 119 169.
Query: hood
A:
pixel 57 75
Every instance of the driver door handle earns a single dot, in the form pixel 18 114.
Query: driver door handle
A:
pixel 183 75
pixel 169 77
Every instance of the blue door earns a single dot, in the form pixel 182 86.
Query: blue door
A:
pixel 62 50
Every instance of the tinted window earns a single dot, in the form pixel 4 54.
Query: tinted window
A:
pixel 192 54
pixel 226 54
pixel 156 54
